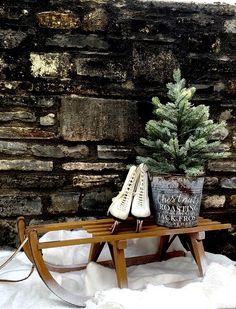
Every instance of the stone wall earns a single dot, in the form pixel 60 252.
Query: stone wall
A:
pixel 76 79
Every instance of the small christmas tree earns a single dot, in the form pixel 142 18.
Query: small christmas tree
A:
pixel 182 136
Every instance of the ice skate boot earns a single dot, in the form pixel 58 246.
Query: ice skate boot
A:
pixel 141 206
pixel 121 204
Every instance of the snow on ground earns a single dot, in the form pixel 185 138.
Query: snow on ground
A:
pixel 163 285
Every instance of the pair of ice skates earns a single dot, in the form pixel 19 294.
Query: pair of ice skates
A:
pixel 132 199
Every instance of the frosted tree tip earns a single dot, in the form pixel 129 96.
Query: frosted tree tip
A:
pixel 155 101
pixel 193 90
pixel 177 75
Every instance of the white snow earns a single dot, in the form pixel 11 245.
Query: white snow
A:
pixel 163 285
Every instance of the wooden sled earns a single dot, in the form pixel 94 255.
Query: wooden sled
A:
pixel 101 234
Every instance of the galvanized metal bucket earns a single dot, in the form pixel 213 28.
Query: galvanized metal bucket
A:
pixel 176 200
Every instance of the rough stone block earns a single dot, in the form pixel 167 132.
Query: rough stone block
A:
pixel 64 202
pixel 226 115
pixel 47 120
pixel 58 20
pixel 222 166
pixel 96 3
pixel 94 119
pixel 85 166
pixel 97 201
pixel 153 64
pixel 4 13
pixel 228 183
pixel 221 134
pixel 223 63
pixel 32 181
pixel 219 86
pixel 8 233
pixel 18 204
pixel 46 101
pixel 211 182
pixel 47 151
pixel 13 148
pixel 223 148
pixel 231 87
pixel 60 151
pixel 113 152
pixel 87 181
pixel 26 165
pixel 214 201
pixel 53 65
pixel 91 41
pixel 11 39
pixel 29 101
pixel 99 67
pixel 234 141
pixel 19 115
pixel 77 152
pixel 230 26
pixel 233 200
pixel 96 20
pixel 25 133
pixel 55 86
pixel 17 14
pixel 149 28
pixel 13 86
pixel 3 64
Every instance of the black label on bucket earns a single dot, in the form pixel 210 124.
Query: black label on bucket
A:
pixel 175 209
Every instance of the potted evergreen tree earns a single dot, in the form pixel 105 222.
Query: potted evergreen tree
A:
pixel 181 140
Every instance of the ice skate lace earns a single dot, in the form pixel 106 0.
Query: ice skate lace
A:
pixel 141 190
pixel 126 194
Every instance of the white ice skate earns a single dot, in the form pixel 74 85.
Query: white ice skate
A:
pixel 141 206
pixel 121 204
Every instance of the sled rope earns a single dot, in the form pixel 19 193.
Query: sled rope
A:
pixel 11 258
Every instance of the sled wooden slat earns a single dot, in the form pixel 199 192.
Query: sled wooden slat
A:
pixel 100 231
pixel 130 235
pixel 44 228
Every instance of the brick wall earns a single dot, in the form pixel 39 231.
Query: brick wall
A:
pixel 76 79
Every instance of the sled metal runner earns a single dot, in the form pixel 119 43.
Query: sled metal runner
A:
pixel 101 234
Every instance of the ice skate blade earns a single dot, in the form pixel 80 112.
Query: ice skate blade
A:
pixel 114 227
pixel 139 225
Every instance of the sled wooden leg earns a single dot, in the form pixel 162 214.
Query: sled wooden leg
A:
pixel 21 226
pixel 198 251
pixel 95 251
pixel 110 246
pixel 120 262
pixel 163 246
pixel 165 242
pixel 48 279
